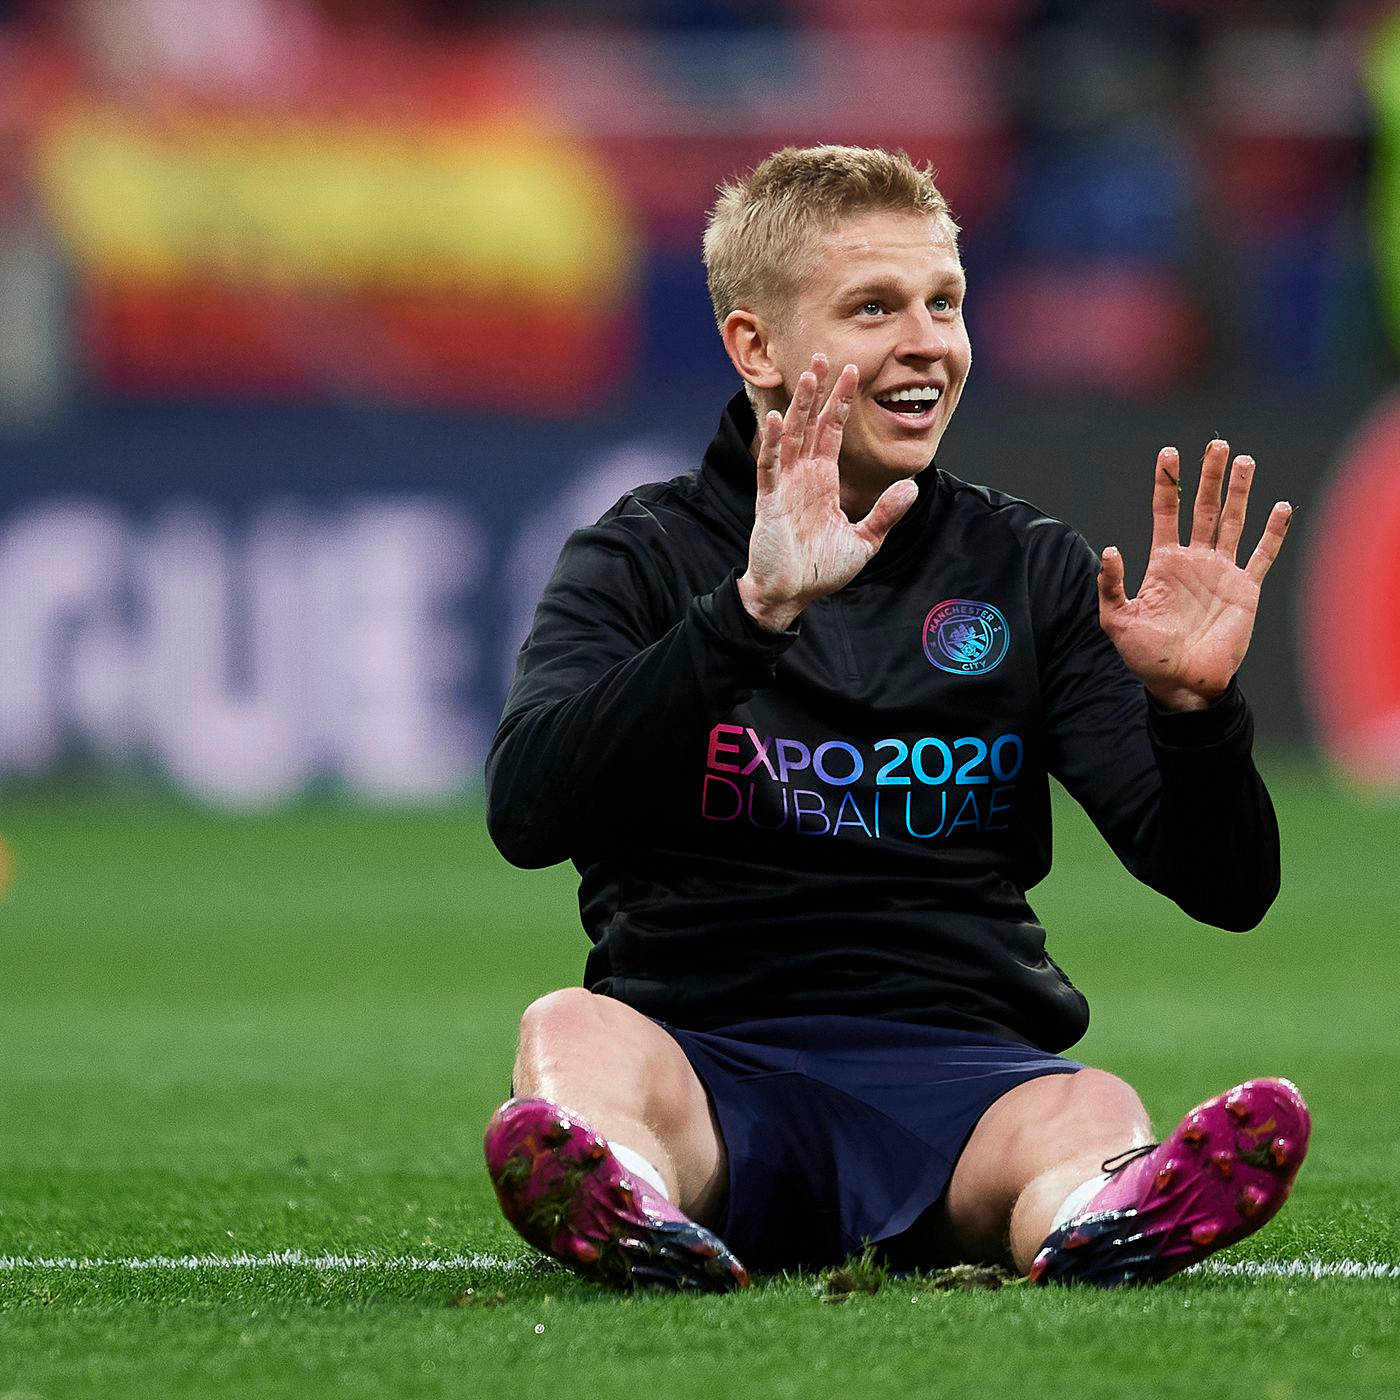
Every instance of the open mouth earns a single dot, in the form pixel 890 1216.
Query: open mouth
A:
pixel 914 408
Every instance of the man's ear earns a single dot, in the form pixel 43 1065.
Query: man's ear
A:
pixel 748 341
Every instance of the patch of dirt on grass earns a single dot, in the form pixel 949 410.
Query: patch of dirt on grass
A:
pixel 863 1273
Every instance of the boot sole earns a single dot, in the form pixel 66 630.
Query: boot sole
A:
pixel 1226 1171
pixel 565 1193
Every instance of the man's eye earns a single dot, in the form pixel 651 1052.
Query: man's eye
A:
pixel 941 304
pixel 872 308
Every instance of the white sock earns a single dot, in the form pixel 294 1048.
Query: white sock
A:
pixel 639 1166
pixel 1078 1199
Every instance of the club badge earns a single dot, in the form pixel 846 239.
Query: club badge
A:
pixel 965 637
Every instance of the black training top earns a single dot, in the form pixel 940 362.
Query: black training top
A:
pixel 845 818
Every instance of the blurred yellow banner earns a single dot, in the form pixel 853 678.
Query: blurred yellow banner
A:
pixel 322 204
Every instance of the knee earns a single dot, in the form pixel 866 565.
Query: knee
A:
pixel 558 1018
pixel 591 1047
pixel 1093 1098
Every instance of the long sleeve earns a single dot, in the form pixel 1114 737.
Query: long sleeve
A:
pixel 620 674
pixel 1176 795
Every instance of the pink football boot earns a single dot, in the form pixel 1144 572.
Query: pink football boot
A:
pixel 1222 1174
pixel 564 1191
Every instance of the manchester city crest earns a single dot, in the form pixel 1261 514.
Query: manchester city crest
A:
pixel 965 637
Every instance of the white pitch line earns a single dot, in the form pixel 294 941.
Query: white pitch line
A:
pixel 1297 1268
pixel 1312 1269
pixel 278 1259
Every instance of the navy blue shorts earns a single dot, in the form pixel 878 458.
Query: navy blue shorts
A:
pixel 844 1130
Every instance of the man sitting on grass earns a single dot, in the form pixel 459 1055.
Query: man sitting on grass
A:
pixel 792 716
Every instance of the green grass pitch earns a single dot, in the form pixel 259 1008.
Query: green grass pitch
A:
pixel 232 1038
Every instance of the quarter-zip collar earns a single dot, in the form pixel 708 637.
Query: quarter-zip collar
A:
pixel 730 472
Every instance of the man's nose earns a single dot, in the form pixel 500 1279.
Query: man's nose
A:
pixel 924 338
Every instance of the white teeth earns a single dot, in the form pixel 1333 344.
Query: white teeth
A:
pixel 928 394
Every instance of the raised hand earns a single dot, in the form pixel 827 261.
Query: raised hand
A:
pixel 803 545
pixel 1187 630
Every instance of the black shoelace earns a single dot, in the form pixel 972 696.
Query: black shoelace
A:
pixel 1116 1164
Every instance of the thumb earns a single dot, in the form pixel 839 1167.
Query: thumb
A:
pixel 886 513
pixel 1111 594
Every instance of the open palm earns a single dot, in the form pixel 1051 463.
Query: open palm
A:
pixel 803 545
pixel 1187 630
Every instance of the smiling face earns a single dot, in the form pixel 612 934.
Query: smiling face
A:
pixel 885 293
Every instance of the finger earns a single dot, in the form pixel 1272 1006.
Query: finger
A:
pixel 1227 540
pixel 1111 594
pixel 1166 499
pixel 810 428
pixel 885 514
pixel 837 410
pixel 1206 516
pixel 1270 542
pixel 795 419
pixel 769 446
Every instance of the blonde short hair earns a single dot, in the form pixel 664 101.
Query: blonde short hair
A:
pixel 759 241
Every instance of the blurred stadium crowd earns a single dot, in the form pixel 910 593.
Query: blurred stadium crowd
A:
pixel 1153 193
pixel 447 251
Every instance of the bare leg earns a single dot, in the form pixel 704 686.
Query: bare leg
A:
pixel 1034 1146
pixel 633 1084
